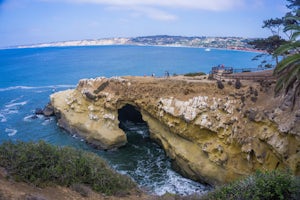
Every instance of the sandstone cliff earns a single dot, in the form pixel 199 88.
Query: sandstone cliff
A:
pixel 213 135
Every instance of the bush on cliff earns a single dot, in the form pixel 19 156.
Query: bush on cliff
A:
pixel 261 186
pixel 195 74
pixel 220 85
pixel 43 164
pixel 238 84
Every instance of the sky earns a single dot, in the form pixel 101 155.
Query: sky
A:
pixel 39 21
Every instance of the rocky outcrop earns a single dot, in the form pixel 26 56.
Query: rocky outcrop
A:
pixel 213 135
pixel 48 111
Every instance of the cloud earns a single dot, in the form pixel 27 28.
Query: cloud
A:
pixel 213 5
pixel 160 9
pixel 150 12
pixel 157 14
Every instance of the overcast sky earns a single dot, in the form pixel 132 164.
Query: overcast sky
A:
pixel 38 21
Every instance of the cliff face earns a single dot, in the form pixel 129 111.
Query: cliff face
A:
pixel 213 135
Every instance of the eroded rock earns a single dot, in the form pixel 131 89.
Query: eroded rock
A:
pixel 214 136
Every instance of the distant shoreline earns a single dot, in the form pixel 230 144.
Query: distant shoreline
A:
pixel 141 45
pixel 225 43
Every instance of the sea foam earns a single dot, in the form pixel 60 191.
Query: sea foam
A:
pixel 14 105
pixel 2 118
pixel 11 132
pixel 20 87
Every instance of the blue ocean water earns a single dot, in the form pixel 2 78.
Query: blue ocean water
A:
pixel 29 76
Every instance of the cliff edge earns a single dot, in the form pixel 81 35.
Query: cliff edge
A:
pixel 213 135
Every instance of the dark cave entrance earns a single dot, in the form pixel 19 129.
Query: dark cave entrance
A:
pixel 129 113
pixel 132 123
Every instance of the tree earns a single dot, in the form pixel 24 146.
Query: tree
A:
pixel 293 5
pixel 289 21
pixel 269 44
pixel 278 29
pixel 288 69
pixel 274 25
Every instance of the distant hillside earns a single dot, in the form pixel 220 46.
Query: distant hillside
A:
pixel 237 43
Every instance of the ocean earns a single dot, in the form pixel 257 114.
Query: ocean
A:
pixel 29 76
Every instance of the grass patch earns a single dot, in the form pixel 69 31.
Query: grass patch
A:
pixel 43 164
pixel 195 74
pixel 275 185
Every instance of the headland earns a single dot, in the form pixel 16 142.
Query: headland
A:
pixel 213 135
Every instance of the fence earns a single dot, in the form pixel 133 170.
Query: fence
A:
pixel 220 73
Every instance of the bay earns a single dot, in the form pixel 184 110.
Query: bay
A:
pixel 29 76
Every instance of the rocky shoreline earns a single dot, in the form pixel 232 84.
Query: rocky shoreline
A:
pixel 213 135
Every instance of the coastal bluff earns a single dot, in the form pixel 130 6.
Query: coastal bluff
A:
pixel 212 135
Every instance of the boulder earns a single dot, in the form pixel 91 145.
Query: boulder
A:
pixel 48 110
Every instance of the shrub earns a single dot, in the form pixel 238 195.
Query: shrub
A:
pixel 44 164
pixel 194 74
pixel 220 85
pixel 253 99
pixel 261 186
pixel 238 84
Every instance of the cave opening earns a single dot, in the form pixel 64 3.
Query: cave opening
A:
pixel 144 160
pixel 132 123
pixel 130 113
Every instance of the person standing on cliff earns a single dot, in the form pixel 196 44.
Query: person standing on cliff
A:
pixel 167 74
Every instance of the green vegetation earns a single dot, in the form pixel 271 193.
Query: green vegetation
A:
pixel 288 69
pixel 43 164
pixel 195 74
pixel 275 185
pixel 220 85
pixel 261 186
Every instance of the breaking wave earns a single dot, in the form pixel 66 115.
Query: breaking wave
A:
pixel 12 107
pixel 15 105
pixel 11 132
pixel 37 87
pixel 2 118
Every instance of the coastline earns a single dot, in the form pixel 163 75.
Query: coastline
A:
pixel 192 116
pixel 223 43
pixel 141 45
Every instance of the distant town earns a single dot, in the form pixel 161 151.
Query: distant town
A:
pixel 236 43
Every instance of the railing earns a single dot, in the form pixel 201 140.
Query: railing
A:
pixel 221 72
pixel 247 70
pixel 252 77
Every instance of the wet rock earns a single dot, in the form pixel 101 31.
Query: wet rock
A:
pixel 34 116
pixel 38 111
pixel 48 110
